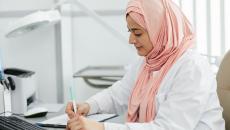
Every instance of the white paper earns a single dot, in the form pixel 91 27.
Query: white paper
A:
pixel 58 120
pixel 62 119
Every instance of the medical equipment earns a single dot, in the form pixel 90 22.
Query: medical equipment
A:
pixel 32 22
pixel 41 18
pixel 2 103
pixel 24 91
pixel 2 88
pixel 100 76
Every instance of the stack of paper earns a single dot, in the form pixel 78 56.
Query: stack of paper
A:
pixel 61 121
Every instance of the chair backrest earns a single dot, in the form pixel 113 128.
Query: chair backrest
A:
pixel 223 87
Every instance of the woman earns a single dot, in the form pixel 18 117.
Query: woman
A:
pixel 170 88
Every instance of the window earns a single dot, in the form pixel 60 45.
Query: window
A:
pixel 211 24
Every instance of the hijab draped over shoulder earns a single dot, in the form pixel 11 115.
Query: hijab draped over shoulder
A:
pixel 171 35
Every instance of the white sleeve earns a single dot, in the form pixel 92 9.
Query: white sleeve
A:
pixel 115 98
pixel 183 105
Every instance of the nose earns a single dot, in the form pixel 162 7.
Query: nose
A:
pixel 132 39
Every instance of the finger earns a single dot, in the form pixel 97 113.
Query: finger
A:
pixel 75 126
pixel 82 109
pixel 67 127
pixel 76 115
pixel 69 110
pixel 74 122
pixel 71 120
pixel 80 112
pixel 71 115
pixel 69 107
pixel 74 119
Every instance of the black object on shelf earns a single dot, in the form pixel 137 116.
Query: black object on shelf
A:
pixel 100 76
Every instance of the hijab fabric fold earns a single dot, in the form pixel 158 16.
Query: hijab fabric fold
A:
pixel 171 35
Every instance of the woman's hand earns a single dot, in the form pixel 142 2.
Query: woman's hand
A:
pixel 81 123
pixel 82 109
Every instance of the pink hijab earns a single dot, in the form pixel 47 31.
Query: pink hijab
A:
pixel 171 35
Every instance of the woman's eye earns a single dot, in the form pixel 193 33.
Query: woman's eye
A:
pixel 138 34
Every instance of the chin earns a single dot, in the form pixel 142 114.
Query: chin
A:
pixel 141 53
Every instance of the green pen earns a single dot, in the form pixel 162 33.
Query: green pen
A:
pixel 73 99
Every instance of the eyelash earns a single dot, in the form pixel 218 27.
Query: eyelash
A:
pixel 138 35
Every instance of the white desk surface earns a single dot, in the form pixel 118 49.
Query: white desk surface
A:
pixel 119 119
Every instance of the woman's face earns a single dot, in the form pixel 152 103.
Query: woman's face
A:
pixel 139 37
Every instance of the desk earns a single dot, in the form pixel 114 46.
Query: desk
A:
pixel 119 119
pixel 49 115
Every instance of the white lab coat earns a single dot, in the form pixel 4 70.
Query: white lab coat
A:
pixel 186 99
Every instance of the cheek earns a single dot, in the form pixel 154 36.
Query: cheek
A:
pixel 147 44
pixel 150 47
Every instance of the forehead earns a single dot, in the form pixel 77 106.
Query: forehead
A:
pixel 131 23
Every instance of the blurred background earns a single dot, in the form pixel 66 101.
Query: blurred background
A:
pixel 56 52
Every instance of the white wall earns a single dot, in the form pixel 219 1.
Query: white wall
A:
pixel 9 5
pixel 34 51
pixel 83 42
pixel 94 45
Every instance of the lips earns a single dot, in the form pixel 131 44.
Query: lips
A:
pixel 138 47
